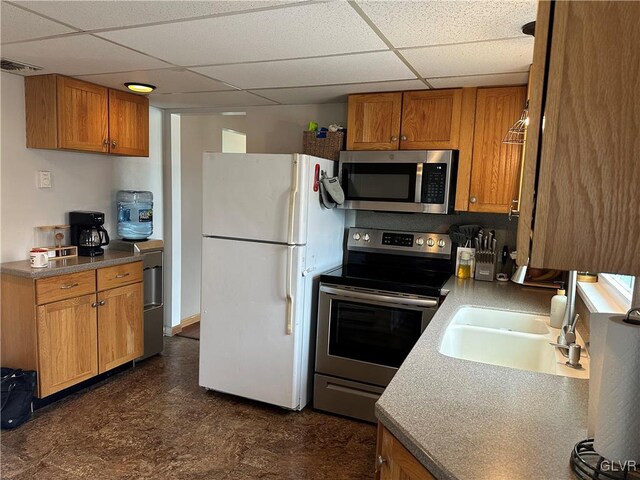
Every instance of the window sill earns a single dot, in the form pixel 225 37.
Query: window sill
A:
pixel 599 297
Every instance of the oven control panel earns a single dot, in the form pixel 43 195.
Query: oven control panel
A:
pixel 405 243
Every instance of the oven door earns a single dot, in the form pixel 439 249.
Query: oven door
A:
pixel 365 335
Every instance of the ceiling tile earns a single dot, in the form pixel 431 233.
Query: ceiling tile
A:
pixel 441 22
pixel 166 80
pixel 301 31
pixel 335 93
pixel 91 15
pixel 209 99
pixel 364 67
pixel 18 25
pixel 480 80
pixel 79 55
pixel 500 56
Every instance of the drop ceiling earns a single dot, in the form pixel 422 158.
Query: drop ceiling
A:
pixel 243 53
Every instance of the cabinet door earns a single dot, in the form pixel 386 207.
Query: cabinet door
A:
pixel 374 121
pixel 395 462
pixel 128 124
pixel 495 169
pixel 82 115
pixel 67 343
pixel 119 326
pixel 431 120
pixel 587 205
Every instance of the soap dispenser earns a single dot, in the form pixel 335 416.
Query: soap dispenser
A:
pixel 558 306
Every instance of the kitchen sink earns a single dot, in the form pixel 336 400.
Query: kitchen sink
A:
pixel 509 339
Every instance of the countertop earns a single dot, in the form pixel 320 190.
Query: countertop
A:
pixel 465 420
pixel 22 268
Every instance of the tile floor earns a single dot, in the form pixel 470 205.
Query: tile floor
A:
pixel 155 422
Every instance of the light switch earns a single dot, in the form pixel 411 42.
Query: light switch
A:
pixel 44 179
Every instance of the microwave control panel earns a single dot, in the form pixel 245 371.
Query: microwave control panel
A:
pixel 434 183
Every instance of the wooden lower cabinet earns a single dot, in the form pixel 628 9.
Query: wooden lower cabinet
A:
pixel 67 343
pixel 120 327
pixel 70 338
pixel 395 462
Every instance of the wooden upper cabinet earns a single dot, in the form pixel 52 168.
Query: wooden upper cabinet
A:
pixel 587 193
pixel 67 343
pixel 431 120
pixel 495 170
pixel 83 122
pixel 69 114
pixel 128 124
pixel 120 326
pixel 374 121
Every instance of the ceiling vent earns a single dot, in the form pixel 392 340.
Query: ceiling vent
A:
pixel 17 67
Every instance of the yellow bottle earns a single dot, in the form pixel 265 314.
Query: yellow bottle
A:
pixel 464 266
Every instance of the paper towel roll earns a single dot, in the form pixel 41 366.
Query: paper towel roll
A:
pixel 617 434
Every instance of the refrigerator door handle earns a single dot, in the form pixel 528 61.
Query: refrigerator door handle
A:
pixel 289 289
pixel 292 198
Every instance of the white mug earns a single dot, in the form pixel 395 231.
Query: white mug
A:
pixel 39 257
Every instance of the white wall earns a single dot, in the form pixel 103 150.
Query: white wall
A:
pixel 80 181
pixel 141 173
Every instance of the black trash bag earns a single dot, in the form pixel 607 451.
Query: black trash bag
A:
pixel 16 396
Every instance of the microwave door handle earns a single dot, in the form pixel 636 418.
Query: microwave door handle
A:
pixel 289 289
pixel 419 179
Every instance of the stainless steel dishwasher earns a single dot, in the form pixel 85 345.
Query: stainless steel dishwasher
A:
pixel 151 252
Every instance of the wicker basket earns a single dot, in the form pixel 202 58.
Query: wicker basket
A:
pixel 323 147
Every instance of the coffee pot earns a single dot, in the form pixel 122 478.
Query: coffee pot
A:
pixel 87 233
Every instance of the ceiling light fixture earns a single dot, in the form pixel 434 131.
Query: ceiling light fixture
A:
pixel 140 87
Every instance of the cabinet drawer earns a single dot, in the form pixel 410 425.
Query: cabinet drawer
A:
pixel 119 275
pixel 65 286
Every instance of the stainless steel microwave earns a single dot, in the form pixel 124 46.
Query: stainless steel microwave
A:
pixel 417 181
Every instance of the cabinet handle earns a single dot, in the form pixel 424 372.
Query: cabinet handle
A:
pixel 101 302
pixel 473 199
pixel 122 275
pixel 67 287
pixel 514 212
pixel 105 142
pixel 380 461
pixel 394 139
pixel 94 305
pixel 403 137
pixel 114 144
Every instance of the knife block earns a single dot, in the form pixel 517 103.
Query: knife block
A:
pixel 485 266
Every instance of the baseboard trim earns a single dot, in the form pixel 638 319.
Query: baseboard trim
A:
pixel 185 322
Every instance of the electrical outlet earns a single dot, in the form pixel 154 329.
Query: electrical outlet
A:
pixel 44 179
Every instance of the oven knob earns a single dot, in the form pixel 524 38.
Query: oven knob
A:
pixel 430 242
pixel 420 241
pixel 366 237
pixel 356 236
pixel 441 243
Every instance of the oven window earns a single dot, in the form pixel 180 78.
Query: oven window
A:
pixel 379 181
pixel 372 333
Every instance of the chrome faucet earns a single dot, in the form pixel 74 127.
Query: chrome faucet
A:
pixel 567 339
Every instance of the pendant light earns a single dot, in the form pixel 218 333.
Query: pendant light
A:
pixel 517 134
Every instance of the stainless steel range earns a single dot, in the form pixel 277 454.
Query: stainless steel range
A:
pixel 371 312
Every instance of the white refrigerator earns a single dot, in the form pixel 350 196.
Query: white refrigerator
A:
pixel 265 241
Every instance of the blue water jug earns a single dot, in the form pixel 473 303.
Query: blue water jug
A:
pixel 135 214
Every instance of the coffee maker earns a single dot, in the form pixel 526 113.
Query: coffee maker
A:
pixel 87 233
